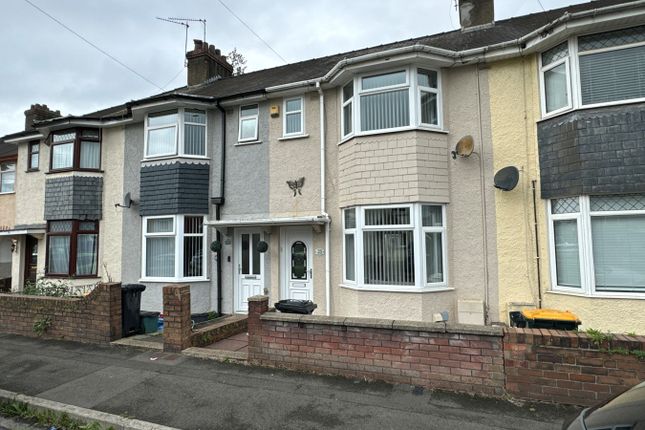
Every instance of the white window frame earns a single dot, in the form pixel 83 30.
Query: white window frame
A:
pixel 302 116
pixel 419 248
pixel 178 234
pixel 548 67
pixel 15 164
pixel 256 117
pixel 585 243
pixel 573 73
pixel 344 103
pixel 179 127
pixel 414 98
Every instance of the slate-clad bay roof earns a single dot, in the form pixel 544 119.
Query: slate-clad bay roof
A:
pixel 502 31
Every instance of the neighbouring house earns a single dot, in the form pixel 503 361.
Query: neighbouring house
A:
pixel 336 179
pixel 8 157
pixel 570 115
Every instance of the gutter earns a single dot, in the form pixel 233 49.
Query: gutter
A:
pixel 302 220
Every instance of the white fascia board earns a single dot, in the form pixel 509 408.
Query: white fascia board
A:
pixel 24 138
pixel 303 220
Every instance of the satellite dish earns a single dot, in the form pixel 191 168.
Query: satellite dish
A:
pixel 464 147
pixel 506 179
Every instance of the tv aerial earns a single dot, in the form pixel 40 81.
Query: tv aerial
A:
pixel 185 23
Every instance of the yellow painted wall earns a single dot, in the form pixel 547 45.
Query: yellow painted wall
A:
pixel 515 110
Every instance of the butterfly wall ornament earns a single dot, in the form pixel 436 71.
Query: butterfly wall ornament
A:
pixel 296 185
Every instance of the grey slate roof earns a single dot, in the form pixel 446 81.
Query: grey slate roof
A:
pixel 253 82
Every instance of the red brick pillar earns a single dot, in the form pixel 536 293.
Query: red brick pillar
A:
pixel 176 313
pixel 257 306
pixel 116 323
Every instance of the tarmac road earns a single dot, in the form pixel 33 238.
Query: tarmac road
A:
pixel 189 393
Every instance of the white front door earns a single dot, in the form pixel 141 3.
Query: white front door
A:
pixel 297 263
pixel 250 268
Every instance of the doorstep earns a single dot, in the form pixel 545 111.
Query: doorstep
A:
pixel 216 354
pixel 147 341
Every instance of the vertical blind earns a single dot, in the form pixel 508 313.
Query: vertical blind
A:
pixel 194 139
pixel 193 246
pixel 388 257
pixel 612 75
pixel 567 256
pixel 619 252
pixel 385 110
pixel 349 258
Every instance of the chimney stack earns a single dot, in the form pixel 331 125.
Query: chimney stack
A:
pixel 476 13
pixel 205 62
pixel 38 112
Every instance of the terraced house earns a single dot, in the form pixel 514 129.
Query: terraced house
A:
pixel 344 179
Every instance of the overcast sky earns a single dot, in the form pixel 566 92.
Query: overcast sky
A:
pixel 44 63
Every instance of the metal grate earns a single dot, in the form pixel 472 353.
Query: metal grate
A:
pixel 566 205
pixel 611 38
pixel 554 54
pixel 628 202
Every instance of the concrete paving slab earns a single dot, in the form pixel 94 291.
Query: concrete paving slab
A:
pixel 97 387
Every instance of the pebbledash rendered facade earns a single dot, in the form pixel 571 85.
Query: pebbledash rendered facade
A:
pixel 333 179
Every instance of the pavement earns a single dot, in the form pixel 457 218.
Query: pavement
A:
pixel 189 393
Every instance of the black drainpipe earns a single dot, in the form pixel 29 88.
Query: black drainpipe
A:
pixel 219 202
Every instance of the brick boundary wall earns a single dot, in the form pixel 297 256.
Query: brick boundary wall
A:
pixel 533 364
pixel 95 318
pixel 458 358
pixel 568 367
pixel 177 325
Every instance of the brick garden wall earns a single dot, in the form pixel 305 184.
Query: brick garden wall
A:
pixel 93 319
pixel 461 358
pixel 568 367
pixel 534 364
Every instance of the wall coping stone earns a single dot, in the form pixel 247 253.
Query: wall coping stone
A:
pixel 259 298
pixel 387 324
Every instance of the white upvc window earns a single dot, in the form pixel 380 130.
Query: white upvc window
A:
pixel 7 177
pixel 593 70
pixel 249 115
pixel 597 245
pixel 399 99
pixel 294 117
pixel 395 247
pixel 176 132
pixel 174 248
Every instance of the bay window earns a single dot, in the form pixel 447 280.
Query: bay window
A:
pixel 7 176
pixel 248 123
pixel 598 244
pixel 398 248
pixel 594 70
pixel 399 99
pixel 176 132
pixel 78 149
pixel 72 248
pixel 173 248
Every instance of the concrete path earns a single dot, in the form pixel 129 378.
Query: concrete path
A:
pixel 189 393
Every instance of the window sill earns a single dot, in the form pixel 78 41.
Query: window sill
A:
pixel 623 296
pixel 53 172
pixel 393 130
pixel 7 192
pixel 393 289
pixel 294 137
pixel 174 280
pixel 70 277
pixel 174 157
pixel 568 110
pixel 32 170
pixel 252 142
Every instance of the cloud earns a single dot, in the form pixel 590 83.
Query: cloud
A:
pixel 44 63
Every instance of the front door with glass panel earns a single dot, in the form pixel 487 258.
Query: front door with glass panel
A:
pixel 250 268
pixel 297 282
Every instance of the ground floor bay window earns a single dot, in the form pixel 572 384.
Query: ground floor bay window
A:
pixel 394 247
pixel 72 248
pixel 598 244
pixel 173 248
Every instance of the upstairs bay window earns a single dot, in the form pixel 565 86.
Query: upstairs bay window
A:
pixel 593 70
pixel 598 244
pixel 176 132
pixel 78 149
pixel 398 248
pixel 173 248
pixel 399 99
